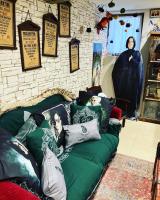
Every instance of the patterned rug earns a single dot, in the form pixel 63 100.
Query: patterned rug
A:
pixel 127 178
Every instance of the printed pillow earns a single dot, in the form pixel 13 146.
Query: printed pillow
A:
pixel 106 109
pixel 78 133
pixel 17 162
pixel 82 114
pixel 27 127
pixel 52 180
pixel 11 191
pixel 57 117
pixel 40 139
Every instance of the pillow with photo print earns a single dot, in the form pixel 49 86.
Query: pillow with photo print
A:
pixel 57 116
pixel 17 162
pixel 106 109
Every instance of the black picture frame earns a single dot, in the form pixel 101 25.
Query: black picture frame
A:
pixel 74 55
pixel 64 19
pixel 29 39
pixel 155 13
pixel 52 22
pixel 9 42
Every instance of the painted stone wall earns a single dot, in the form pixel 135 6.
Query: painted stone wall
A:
pixel 16 85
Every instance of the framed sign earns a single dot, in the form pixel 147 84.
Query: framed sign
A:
pixel 64 19
pixel 154 13
pixel 50 35
pixel 29 45
pixel 74 55
pixel 7 24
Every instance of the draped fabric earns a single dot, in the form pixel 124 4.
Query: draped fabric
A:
pixel 128 79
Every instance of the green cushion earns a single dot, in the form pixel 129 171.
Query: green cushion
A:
pixel 37 141
pixel 14 120
pixel 99 152
pixel 81 176
pixel 114 129
pixel 82 114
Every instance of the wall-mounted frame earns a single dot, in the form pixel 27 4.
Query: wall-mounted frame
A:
pixel 7 24
pixel 154 13
pixel 29 45
pixel 64 19
pixel 50 35
pixel 74 55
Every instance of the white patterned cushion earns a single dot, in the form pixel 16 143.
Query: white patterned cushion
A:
pixel 78 133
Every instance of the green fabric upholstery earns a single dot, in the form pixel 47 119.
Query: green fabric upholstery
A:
pixel 13 120
pixel 81 176
pixel 99 152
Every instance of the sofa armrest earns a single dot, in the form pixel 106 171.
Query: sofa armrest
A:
pixel 116 113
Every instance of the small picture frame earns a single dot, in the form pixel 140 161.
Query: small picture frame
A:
pixel 29 45
pixel 64 18
pixel 50 35
pixel 155 13
pixel 74 55
pixel 7 25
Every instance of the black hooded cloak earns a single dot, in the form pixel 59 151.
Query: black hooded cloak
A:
pixel 127 79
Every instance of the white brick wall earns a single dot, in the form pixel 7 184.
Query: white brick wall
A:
pixel 55 72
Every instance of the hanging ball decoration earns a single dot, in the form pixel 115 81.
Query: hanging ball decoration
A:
pixel 115 16
pixel 111 4
pixel 123 10
pixel 101 9
pixel 111 41
pixel 128 25
pixel 121 22
pixel 135 15
pixel 137 30
pixel 126 30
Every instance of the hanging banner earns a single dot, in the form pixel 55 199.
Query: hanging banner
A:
pixel 7 24
pixel 50 35
pixel 29 45
pixel 74 55
pixel 64 19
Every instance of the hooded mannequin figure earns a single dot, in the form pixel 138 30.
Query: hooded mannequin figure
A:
pixel 127 76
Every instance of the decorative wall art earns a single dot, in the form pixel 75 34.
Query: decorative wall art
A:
pixel 96 66
pixel 64 19
pixel 7 24
pixel 50 35
pixel 155 12
pixel 155 48
pixel 29 45
pixel 74 54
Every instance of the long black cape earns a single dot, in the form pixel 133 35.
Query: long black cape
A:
pixel 127 79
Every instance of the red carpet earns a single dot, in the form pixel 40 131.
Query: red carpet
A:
pixel 127 178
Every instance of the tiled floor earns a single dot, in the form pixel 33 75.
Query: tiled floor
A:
pixel 139 139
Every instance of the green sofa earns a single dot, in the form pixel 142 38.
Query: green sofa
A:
pixel 84 164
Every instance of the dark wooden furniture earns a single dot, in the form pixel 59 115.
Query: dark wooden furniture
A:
pixel 151 97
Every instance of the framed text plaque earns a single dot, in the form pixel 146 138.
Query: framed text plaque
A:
pixel 50 35
pixel 64 19
pixel 7 24
pixel 74 55
pixel 29 45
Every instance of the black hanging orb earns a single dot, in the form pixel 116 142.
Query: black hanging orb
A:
pixel 123 10
pixel 111 41
pixel 135 15
pixel 101 9
pixel 111 4
pixel 128 25
pixel 137 30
